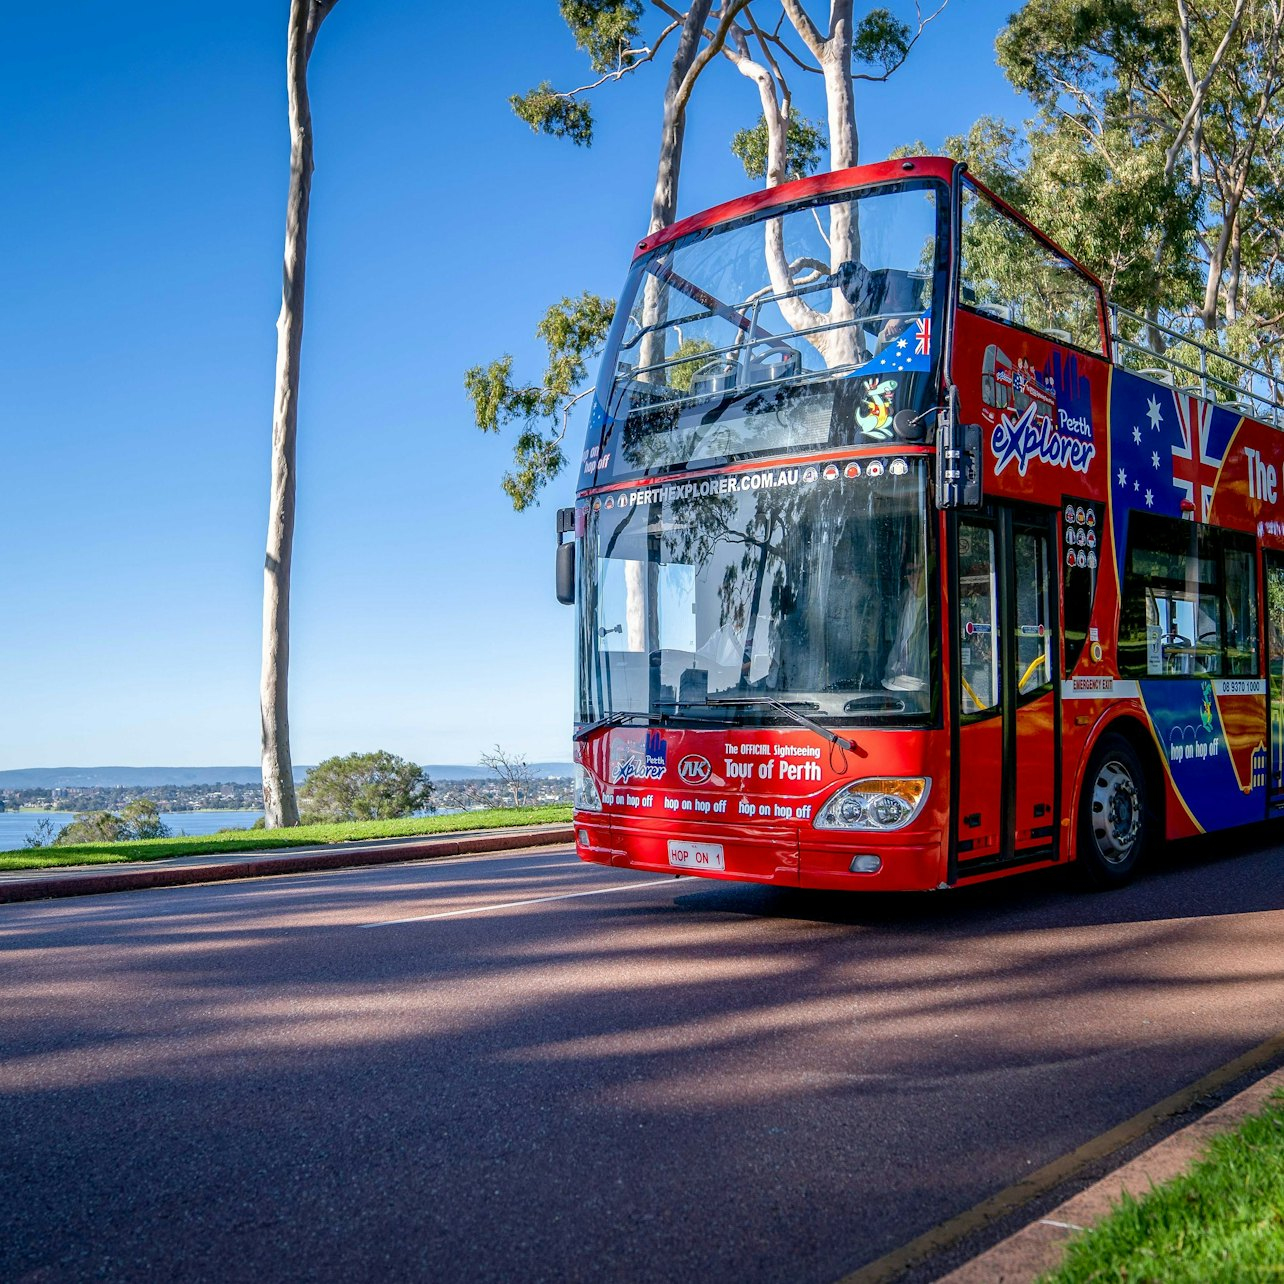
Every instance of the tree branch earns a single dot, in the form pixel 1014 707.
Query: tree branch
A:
pixel 922 24
pixel 807 30
pixel 639 57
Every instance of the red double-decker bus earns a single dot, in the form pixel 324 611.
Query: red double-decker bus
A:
pixel 901 561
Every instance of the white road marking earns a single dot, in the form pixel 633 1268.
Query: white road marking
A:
pixel 536 900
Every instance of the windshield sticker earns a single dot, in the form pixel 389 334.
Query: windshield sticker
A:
pixel 874 413
pixel 649 764
pixel 595 459
pixel 903 345
pixel 727 484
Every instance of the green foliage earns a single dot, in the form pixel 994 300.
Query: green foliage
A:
pixel 1220 1223
pixel 880 41
pixel 1053 49
pixel 804 142
pixel 1178 223
pixel 680 376
pixel 364 786
pixel 573 331
pixel 247 840
pixel 548 112
pixel 139 820
pixel 1112 208
pixel 92 827
pixel 604 29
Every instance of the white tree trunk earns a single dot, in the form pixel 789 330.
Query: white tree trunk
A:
pixel 833 52
pixel 664 200
pixel 280 806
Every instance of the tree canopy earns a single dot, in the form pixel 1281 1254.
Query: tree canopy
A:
pixel 765 42
pixel 1156 153
pixel 364 786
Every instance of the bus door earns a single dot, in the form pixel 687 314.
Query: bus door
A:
pixel 1273 567
pixel 1005 776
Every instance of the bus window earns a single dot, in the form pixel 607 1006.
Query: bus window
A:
pixel 1008 273
pixel 978 643
pixel 1241 613
pixel 1033 630
pixel 622 602
pixel 1189 601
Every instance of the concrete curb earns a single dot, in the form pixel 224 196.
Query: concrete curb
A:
pixel 36 885
pixel 1040 1246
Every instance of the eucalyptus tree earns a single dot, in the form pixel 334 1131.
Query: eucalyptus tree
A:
pixel 766 51
pixel 1179 106
pixel 609 32
pixel 280 806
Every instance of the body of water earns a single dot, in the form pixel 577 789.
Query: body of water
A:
pixel 15 826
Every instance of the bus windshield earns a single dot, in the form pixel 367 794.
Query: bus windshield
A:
pixel 798 329
pixel 801 585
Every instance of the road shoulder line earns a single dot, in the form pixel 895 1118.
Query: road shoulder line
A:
pixel 1039 1247
pixel 1040 1182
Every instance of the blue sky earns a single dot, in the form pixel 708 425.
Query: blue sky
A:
pixel 145 152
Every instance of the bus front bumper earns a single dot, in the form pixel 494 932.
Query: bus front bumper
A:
pixel 786 856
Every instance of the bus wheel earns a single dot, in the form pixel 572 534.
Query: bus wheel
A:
pixel 1112 815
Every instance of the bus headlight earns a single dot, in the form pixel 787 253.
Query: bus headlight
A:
pixel 881 803
pixel 585 796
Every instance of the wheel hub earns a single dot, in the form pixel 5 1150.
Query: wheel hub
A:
pixel 1116 813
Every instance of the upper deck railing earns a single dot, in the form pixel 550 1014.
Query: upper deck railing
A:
pixel 1215 376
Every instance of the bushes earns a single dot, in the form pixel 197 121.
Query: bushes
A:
pixel 364 786
pixel 138 820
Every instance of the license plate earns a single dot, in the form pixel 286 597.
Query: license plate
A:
pixel 684 855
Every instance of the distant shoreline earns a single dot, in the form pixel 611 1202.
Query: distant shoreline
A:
pixel 114 777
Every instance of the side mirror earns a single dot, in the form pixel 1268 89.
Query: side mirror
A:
pixel 566 574
pixel 565 567
pixel 958 460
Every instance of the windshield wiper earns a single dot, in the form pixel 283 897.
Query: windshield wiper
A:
pixel 617 719
pixel 791 711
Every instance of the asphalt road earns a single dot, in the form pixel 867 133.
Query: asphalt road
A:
pixel 522 1067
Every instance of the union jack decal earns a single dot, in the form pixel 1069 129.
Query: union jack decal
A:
pixel 922 336
pixel 1195 464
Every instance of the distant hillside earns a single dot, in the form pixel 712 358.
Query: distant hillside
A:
pixel 116 777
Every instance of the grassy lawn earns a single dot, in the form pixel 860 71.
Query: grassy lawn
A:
pixel 1220 1223
pixel 246 840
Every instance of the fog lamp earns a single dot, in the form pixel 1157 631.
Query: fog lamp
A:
pixel 583 836
pixel 866 864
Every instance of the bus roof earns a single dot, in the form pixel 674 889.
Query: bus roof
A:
pixel 939 167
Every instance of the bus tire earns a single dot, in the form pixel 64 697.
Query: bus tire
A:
pixel 1114 819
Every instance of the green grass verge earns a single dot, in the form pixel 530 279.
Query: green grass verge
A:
pixel 1220 1223
pixel 247 840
